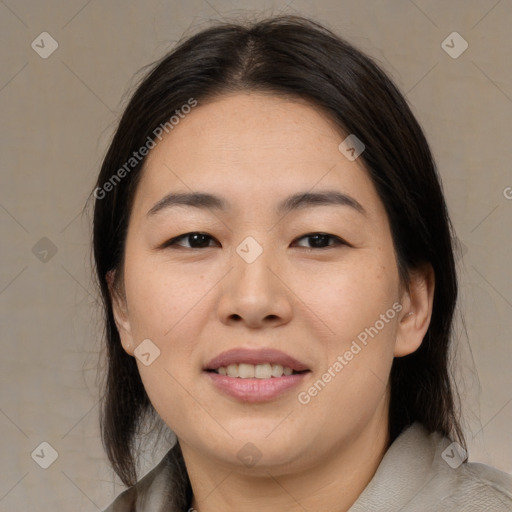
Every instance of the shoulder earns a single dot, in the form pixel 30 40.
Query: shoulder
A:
pixel 424 471
pixel 467 486
pixel 477 487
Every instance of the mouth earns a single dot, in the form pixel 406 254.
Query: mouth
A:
pixel 255 375
pixel 255 371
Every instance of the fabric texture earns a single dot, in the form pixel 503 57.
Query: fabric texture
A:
pixel 420 472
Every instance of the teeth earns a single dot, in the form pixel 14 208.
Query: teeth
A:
pixel 251 371
pixel 262 371
pixel 232 370
pixel 246 371
pixel 277 370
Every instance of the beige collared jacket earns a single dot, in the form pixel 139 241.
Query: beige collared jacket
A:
pixel 420 472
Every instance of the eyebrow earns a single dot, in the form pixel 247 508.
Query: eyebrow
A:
pixel 195 199
pixel 295 202
pixel 325 198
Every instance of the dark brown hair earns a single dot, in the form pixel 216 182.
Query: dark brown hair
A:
pixel 295 57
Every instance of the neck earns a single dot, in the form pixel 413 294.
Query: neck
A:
pixel 332 483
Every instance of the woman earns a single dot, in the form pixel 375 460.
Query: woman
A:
pixel 274 253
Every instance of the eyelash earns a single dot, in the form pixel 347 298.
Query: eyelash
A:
pixel 173 241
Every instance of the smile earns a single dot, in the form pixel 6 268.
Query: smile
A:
pixel 255 375
pixel 258 371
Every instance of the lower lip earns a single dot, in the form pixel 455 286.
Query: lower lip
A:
pixel 255 390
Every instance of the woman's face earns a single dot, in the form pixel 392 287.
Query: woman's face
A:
pixel 293 267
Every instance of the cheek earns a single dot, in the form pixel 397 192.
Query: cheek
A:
pixel 359 305
pixel 169 308
pixel 168 392
pixel 160 296
pixel 353 297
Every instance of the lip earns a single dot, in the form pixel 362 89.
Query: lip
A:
pixel 255 356
pixel 255 390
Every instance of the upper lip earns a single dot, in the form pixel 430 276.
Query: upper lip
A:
pixel 255 356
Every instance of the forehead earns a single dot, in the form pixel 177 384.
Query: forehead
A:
pixel 251 123
pixel 253 144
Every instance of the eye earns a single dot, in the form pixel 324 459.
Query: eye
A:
pixel 194 240
pixel 320 240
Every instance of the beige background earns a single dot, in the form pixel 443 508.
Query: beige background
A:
pixel 57 116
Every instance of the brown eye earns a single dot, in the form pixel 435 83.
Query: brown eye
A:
pixel 193 240
pixel 320 240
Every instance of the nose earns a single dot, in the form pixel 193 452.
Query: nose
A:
pixel 254 294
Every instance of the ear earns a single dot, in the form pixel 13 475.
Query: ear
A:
pixel 121 316
pixel 417 302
